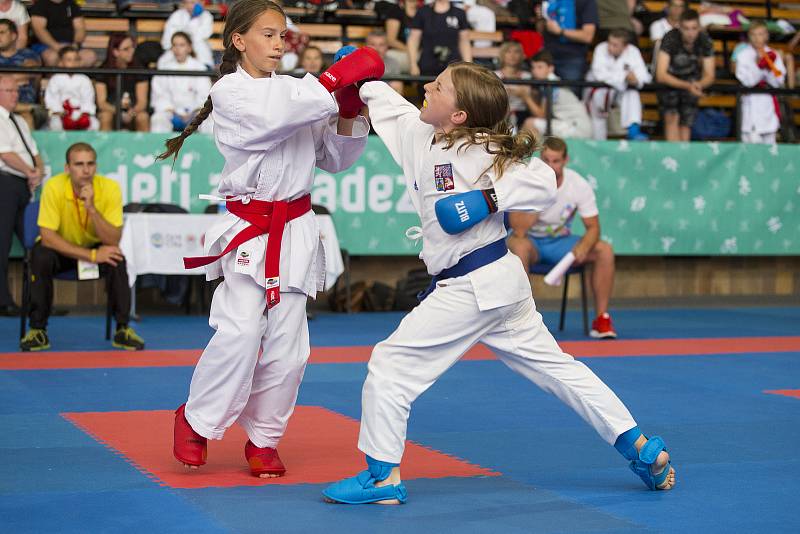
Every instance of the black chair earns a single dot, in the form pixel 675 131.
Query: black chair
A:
pixel 544 268
pixel 30 234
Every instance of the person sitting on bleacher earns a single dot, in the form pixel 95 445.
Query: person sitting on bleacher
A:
pixel 443 31
pixel 619 64
pixel 758 65
pixel 311 60
pixel 14 11
pixel 80 220
pixel 659 28
pixel 134 91
pixel 12 56
pixel 396 18
pixel 177 99
pixel 547 237
pixel 511 59
pixel 377 40
pixel 686 64
pixel 70 98
pixel 195 21
pixel 56 24
pixel 570 118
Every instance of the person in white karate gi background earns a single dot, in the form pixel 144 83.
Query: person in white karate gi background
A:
pixel 76 90
pixel 273 131
pixel 177 99
pixel 481 291
pixel 195 21
pixel 758 65
pixel 619 64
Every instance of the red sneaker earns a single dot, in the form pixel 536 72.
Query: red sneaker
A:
pixel 263 460
pixel 602 327
pixel 190 447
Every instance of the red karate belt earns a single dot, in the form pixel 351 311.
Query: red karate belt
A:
pixel 264 218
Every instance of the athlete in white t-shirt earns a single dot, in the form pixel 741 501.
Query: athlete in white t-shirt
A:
pixel 547 236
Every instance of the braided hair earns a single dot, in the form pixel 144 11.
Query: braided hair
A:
pixel 241 16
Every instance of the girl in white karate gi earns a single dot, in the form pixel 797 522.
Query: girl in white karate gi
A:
pixel 272 130
pixel 192 19
pixel 75 89
pixel 620 65
pixel 758 65
pixel 463 169
pixel 177 99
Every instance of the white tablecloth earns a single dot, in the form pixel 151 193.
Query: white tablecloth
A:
pixel 155 243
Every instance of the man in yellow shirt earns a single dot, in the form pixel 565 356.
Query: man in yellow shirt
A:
pixel 80 220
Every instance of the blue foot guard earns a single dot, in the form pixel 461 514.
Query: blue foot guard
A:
pixel 642 460
pixel 361 488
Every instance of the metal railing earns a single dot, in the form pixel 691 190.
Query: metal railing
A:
pixel 545 86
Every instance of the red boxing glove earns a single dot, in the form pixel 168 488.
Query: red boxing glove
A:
pixel 363 64
pixel 349 102
pixel 762 62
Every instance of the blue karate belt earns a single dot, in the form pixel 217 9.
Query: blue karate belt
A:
pixel 472 261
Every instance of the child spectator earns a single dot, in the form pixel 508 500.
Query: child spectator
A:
pixel 758 65
pixel 511 57
pixel 177 99
pixel 311 60
pixel 620 65
pixel 377 41
pixel 70 98
pixel 194 21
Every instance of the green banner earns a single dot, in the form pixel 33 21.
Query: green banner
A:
pixel 655 198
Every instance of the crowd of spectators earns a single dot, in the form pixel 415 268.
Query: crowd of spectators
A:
pixel 566 40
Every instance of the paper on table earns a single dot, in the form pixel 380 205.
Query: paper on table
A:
pixel 556 274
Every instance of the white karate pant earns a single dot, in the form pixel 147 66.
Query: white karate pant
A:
pixel 762 138
pixel 439 331
pixel 161 122
pixel 252 367
pixel 602 99
pixel 55 125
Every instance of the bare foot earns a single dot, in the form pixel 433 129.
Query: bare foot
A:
pixel 268 475
pixel 658 467
pixel 187 466
pixel 392 480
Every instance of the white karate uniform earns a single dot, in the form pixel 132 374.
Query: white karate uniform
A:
pixel 570 118
pixel 492 304
pixel 759 120
pixel 183 94
pixel 613 70
pixel 272 132
pixel 199 28
pixel 78 89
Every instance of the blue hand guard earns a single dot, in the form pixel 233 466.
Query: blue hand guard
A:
pixel 462 211
pixel 343 51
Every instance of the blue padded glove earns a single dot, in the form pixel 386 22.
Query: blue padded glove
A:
pixel 343 51
pixel 462 211
pixel 197 10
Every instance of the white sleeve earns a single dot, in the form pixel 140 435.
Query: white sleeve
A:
pixel 256 114
pixel 603 68
pixel 747 69
pixel 22 14
pixel 335 152
pixel 169 28
pixel 638 67
pixel 586 200
pixel 52 95
pixel 160 94
pixel 530 187
pixel 88 98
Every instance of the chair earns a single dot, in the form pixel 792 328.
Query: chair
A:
pixel 544 268
pixel 30 234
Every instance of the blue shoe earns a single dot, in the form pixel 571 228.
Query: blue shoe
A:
pixel 636 134
pixel 361 489
pixel 646 458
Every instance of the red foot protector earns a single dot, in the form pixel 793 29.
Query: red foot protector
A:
pixel 263 460
pixel 189 447
pixel 319 447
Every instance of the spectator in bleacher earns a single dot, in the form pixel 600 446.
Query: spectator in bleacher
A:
pixel 70 98
pixel 56 24
pixel 377 41
pixel 12 56
pixel 132 108
pixel 686 64
pixel 758 65
pixel 443 32
pixel 80 219
pixel 568 31
pixel 570 118
pixel 177 99
pixel 511 59
pixel 619 64
pixel 14 11
pixel 21 172
pixel 311 60
pixel 397 19
pixel 195 21
pixel 659 28
pixel 615 15
pixel 480 19
pixel 547 237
